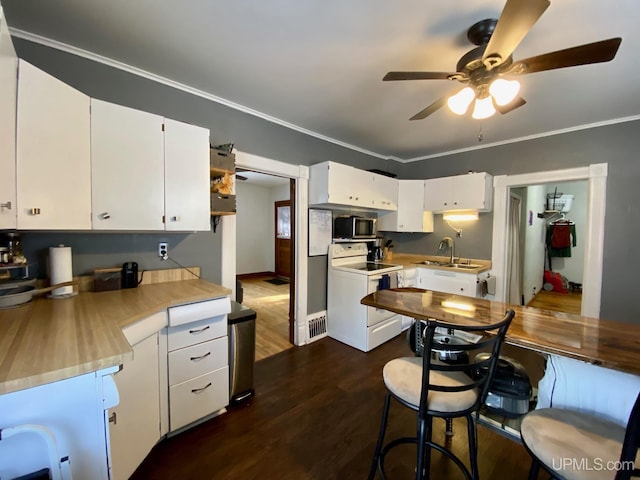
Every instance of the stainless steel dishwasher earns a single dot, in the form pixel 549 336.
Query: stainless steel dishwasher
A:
pixel 242 351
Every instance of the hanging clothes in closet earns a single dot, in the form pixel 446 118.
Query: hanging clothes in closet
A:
pixel 561 236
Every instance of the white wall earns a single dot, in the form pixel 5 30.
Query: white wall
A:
pixel 534 252
pixel 572 267
pixel 255 229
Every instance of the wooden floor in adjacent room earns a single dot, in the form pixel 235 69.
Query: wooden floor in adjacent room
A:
pixel 315 415
pixel 271 304
pixel 570 302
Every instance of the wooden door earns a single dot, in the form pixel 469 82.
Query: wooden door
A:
pixel 283 229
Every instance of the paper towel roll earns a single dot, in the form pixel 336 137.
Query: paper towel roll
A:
pixel 60 269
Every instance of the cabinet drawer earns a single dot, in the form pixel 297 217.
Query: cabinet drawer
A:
pixel 198 311
pixel 199 397
pixel 191 362
pixel 383 331
pixel 196 332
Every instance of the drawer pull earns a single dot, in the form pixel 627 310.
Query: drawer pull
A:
pixel 200 330
pixel 197 359
pixel 200 390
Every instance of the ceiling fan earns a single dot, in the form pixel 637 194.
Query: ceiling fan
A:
pixel 484 71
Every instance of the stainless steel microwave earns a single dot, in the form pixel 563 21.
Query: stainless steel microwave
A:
pixel 354 227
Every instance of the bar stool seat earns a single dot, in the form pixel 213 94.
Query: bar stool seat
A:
pixel 399 377
pixel 574 445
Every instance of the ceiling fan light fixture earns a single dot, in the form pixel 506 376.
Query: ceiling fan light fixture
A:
pixel 504 91
pixel 483 108
pixel 459 103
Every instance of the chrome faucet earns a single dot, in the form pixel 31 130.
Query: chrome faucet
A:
pixel 447 242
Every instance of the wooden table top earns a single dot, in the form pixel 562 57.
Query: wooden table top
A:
pixel 608 343
pixel 48 339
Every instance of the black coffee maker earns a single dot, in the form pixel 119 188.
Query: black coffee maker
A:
pixel 375 252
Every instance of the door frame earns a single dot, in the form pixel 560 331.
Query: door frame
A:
pixel 300 174
pixel 276 255
pixel 596 176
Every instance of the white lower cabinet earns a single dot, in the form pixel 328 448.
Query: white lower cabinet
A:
pixel 134 424
pixel 447 281
pixel 198 361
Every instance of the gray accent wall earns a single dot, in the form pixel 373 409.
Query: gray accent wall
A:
pixel 615 144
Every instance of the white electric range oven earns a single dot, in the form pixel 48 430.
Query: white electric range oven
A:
pixel 349 278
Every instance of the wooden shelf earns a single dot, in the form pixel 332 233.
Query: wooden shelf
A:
pixel 219 172
pixel 218 214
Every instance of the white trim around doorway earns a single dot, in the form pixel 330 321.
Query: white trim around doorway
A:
pixel 596 176
pixel 300 173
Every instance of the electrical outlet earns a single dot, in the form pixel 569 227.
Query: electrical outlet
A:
pixel 163 250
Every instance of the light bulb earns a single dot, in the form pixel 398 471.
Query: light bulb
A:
pixel 459 103
pixel 504 91
pixel 484 108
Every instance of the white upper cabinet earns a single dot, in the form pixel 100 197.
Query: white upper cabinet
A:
pixel 385 192
pixel 186 176
pixel 53 153
pixel 473 191
pixel 410 216
pixel 8 99
pixel 332 183
pixel 127 168
pixel 162 164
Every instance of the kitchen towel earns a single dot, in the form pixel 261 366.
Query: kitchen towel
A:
pixel 60 269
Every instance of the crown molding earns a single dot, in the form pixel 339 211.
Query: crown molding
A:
pixel 48 42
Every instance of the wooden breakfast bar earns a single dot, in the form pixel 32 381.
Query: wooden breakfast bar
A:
pixel 607 343
pixel 593 364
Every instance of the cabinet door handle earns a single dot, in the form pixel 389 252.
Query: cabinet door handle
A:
pixel 104 216
pixel 200 330
pixel 197 359
pixel 200 390
pixel 6 205
pixel 175 219
pixel 113 418
pixel 34 211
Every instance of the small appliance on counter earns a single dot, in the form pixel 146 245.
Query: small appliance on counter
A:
pixel 129 275
pixel 375 251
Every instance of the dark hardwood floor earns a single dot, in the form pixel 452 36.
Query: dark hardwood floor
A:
pixel 316 415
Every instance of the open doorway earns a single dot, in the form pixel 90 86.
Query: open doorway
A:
pixel 595 177
pixel 265 240
pixel 547 224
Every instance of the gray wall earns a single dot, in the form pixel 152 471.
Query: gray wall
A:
pixel 616 144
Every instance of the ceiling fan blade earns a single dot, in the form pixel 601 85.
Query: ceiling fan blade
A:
pixel 416 76
pixel 430 109
pixel 516 19
pixel 512 105
pixel 597 52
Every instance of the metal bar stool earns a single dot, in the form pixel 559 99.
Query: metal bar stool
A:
pixel 433 388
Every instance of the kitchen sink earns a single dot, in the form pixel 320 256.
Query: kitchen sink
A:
pixel 463 266
pixel 433 262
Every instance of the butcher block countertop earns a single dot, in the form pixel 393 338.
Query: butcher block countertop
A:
pixel 47 339
pixel 608 343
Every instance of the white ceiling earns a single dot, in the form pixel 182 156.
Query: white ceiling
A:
pixel 318 66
